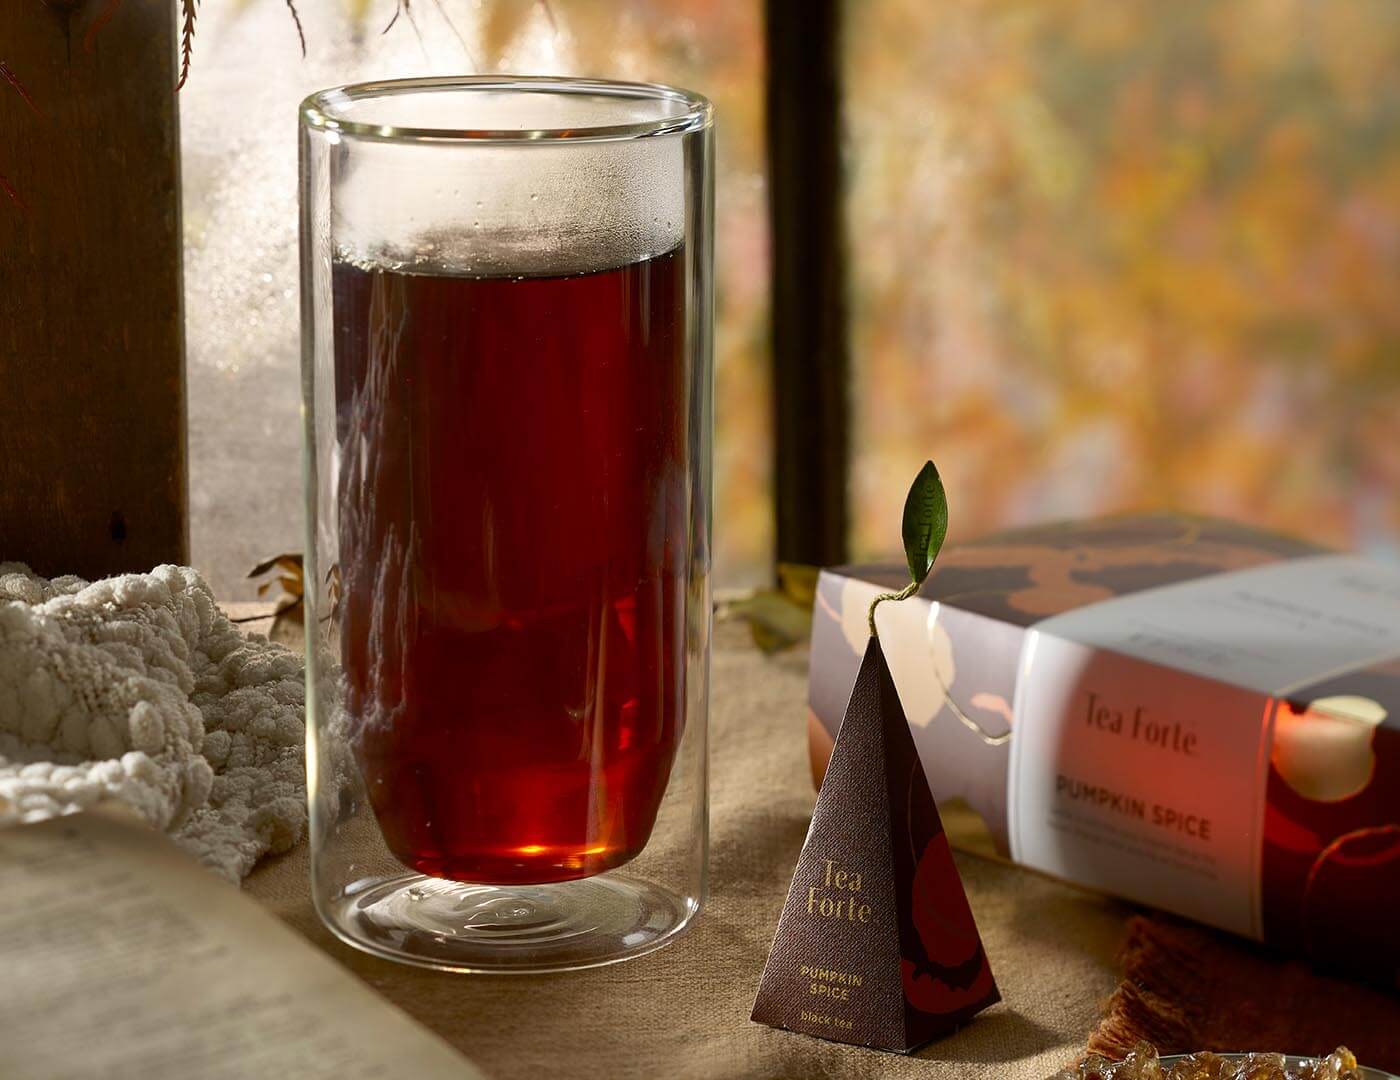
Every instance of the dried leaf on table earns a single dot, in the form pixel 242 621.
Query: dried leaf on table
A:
pixel 288 561
pixel 799 583
pixel 290 583
pixel 778 618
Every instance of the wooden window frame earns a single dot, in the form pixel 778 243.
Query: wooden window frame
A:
pixel 810 343
pixel 92 341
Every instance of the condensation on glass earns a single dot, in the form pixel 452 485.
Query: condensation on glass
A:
pixel 506 308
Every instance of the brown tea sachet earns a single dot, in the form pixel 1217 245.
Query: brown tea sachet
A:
pixel 876 945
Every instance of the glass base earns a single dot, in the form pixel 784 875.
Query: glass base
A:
pixel 505 929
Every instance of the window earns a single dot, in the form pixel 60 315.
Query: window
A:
pixel 1098 258
pixel 1125 255
pixel 238 114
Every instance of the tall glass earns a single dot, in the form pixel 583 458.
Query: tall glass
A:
pixel 506 370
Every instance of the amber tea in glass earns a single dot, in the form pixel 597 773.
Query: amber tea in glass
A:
pixel 506 379
pixel 514 533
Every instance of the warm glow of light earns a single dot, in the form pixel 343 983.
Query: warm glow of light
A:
pixel 574 858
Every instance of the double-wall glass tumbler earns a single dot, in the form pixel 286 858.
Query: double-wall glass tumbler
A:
pixel 506 306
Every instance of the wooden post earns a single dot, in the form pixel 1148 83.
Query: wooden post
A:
pixel 811 365
pixel 92 377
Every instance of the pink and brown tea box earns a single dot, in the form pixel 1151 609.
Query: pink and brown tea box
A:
pixel 1188 713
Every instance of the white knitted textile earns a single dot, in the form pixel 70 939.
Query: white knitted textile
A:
pixel 139 689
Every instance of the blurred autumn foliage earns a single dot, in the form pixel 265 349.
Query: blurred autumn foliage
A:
pixel 1104 255
pixel 1132 254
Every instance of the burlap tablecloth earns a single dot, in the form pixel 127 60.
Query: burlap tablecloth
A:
pixel 684 1011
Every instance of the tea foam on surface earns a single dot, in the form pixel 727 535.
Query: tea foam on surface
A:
pixel 567 206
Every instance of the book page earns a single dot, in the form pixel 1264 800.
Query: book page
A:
pixel 123 958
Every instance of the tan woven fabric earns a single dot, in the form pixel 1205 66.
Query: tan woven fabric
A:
pixel 684 1011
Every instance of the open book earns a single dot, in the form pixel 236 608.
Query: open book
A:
pixel 124 958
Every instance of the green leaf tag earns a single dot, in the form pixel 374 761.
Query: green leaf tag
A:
pixel 925 526
pixel 925 521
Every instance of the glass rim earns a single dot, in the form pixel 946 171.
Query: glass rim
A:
pixel 324 110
